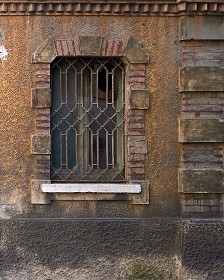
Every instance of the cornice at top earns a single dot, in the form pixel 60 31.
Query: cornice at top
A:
pixel 112 7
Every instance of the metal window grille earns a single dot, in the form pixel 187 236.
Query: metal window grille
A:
pixel 87 120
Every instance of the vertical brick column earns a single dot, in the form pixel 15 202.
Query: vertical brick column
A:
pixel 136 139
pixel 41 100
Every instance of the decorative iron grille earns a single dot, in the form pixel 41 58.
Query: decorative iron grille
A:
pixel 87 120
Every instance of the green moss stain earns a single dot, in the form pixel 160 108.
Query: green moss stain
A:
pixel 144 272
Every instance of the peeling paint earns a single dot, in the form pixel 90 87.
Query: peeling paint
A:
pixel 3 53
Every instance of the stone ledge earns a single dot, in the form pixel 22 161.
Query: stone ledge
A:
pixel 43 192
pixel 91 188
pixel 201 181
pixel 202 130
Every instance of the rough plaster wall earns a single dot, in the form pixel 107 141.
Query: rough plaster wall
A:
pixel 162 119
pixel 202 250
pixel 91 248
pixel 16 118
pixel 98 249
pixel 101 249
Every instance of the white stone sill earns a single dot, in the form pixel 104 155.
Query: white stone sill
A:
pixel 91 188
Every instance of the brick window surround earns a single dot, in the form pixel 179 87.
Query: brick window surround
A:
pixel 137 101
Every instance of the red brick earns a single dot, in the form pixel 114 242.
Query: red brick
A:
pixel 110 46
pixel 136 158
pixel 136 79
pixel 42 167
pixel 136 67
pixel 71 47
pixel 136 73
pixel 138 170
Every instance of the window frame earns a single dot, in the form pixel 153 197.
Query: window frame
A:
pixel 135 58
pixel 92 104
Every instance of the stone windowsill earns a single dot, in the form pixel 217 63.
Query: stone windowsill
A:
pixel 91 188
pixel 43 192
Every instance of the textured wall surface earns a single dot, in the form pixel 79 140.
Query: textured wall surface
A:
pixel 112 240
pixel 17 115
pixel 202 115
pixel 203 247
pixel 98 249
pixel 87 249
pixel 35 242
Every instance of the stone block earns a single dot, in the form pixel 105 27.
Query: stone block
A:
pixel 202 28
pixel 135 53
pixel 201 181
pixel 41 144
pixel 137 144
pixel 201 79
pixel 46 53
pixel 202 130
pixel 139 99
pixel 143 197
pixel 37 196
pixel 91 188
pixel 41 97
pixel 90 45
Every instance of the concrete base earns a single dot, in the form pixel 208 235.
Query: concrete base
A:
pixel 111 249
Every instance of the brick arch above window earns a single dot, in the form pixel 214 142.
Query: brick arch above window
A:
pixel 91 46
pixel 136 58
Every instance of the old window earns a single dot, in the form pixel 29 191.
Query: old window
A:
pixel 87 120
pixel 89 124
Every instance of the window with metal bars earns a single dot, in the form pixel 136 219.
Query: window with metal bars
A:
pixel 87 120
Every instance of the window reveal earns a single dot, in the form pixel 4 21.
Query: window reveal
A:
pixel 87 120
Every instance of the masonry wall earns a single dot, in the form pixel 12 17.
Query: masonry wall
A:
pixel 184 163
pixel 202 113
pixel 17 118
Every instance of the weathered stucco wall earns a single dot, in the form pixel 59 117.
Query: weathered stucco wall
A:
pixel 88 249
pixel 17 116
pixel 113 239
